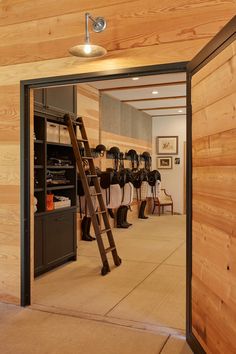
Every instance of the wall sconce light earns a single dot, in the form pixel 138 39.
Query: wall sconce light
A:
pixel 88 50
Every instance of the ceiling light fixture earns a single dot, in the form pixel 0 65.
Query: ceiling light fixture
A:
pixel 88 50
pixel 155 92
pixel 180 111
pixel 135 78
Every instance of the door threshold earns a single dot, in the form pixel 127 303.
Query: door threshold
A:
pixel 158 329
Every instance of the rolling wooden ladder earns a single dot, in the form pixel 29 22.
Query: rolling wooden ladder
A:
pixel 77 145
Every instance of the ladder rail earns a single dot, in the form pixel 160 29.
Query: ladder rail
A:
pixel 77 145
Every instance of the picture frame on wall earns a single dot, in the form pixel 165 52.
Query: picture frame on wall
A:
pixel 167 145
pixel 164 162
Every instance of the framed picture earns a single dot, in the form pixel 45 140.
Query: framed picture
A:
pixel 164 162
pixel 167 145
pixel 177 160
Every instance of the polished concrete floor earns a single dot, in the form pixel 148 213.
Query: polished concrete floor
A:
pixel 147 289
pixel 137 308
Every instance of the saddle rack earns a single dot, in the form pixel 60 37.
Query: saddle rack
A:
pixel 78 145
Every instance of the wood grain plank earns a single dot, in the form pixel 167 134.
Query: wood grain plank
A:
pixel 18 11
pixel 132 15
pixel 215 181
pixel 10 194
pixel 134 57
pixel 221 83
pixel 88 108
pixel 219 244
pixel 222 58
pixel 122 140
pixel 212 211
pixel 215 150
pixel 212 119
pixel 130 26
pixel 212 312
pixel 214 204
pixel 9 114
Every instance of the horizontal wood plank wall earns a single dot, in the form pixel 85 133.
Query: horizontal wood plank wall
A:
pixel 88 108
pixel 34 41
pixel 9 194
pixel 214 204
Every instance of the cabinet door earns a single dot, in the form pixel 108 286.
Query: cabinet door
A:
pixel 62 97
pixel 38 243
pixel 59 237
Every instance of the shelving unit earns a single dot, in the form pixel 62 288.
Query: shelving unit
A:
pixel 55 230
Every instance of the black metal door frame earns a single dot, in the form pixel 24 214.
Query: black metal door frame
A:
pixel 215 46
pixel 25 87
pixel 224 38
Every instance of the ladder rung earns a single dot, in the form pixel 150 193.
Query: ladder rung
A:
pixel 82 140
pixel 87 157
pixel 110 249
pixel 77 122
pixel 100 212
pixel 105 230
pixel 91 176
pixel 95 194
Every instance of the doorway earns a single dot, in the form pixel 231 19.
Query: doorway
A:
pixel 166 70
pixel 153 250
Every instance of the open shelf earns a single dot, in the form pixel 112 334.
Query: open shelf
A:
pixel 57 188
pixel 38 189
pixel 59 144
pixel 49 167
pixel 48 212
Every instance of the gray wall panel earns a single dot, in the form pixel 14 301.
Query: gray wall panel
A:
pixel 123 119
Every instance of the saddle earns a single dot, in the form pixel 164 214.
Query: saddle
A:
pixel 147 159
pixel 134 158
pixel 122 177
pixel 153 176
pixel 80 189
pixel 139 177
pixel 106 178
pixel 115 152
pixel 109 177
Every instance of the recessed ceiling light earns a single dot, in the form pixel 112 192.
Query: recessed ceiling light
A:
pixel 180 111
pixel 154 92
pixel 135 78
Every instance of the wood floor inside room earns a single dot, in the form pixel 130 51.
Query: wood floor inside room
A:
pixel 146 292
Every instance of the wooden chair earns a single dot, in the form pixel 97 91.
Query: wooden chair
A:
pixel 161 201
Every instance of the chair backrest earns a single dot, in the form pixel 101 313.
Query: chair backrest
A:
pixel 164 197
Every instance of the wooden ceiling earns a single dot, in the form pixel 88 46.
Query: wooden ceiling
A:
pixel 156 95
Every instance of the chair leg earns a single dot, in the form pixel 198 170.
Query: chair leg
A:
pixel 172 211
pixel 153 207
pixel 159 210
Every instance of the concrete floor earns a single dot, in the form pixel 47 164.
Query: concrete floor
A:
pixel 29 331
pixel 147 289
pixel 138 308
